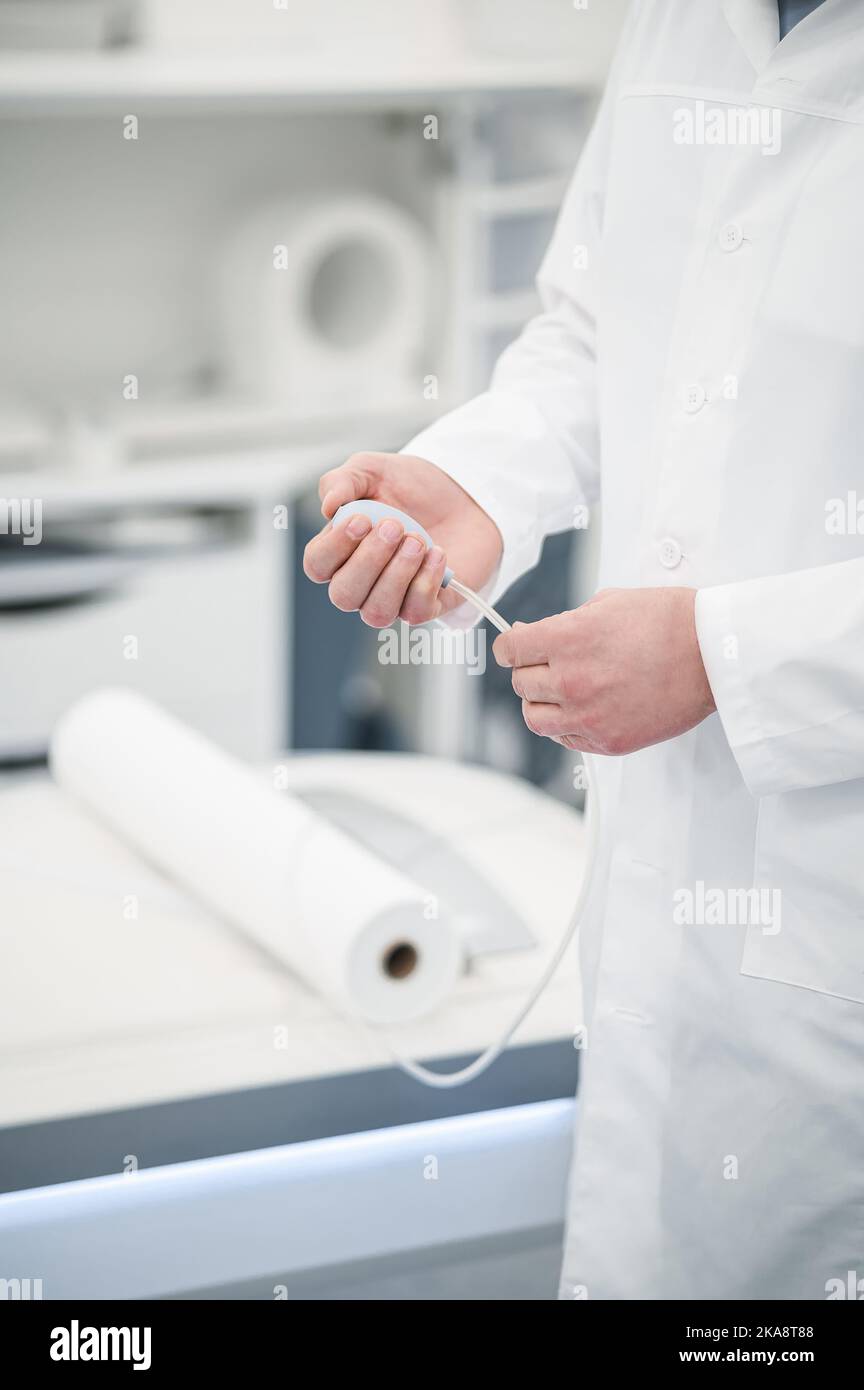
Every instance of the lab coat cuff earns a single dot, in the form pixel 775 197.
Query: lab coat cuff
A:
pixel 718 631
pixel 481 478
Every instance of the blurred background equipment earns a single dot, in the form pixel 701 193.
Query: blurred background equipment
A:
pixel 247 241
pixel 66 24
pixel 343 321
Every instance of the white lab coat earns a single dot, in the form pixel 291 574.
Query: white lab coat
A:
pixel 701 352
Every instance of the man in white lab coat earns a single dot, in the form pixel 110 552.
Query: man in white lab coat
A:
pixel 701 355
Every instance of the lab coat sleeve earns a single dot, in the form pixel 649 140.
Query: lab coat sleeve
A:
pixel 527 450
pixel 784 657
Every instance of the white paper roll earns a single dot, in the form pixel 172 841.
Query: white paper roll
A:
pixel 325 301
pixel 349 924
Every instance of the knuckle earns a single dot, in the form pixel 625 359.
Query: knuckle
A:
pixel 418 602
pixel 583 686
pixel 416 610
pixel 376 615
pixel 312 565
pixel 341 597
pixel 365 466
pixel 567 684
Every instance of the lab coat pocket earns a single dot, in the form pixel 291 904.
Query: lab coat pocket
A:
pixel 810 868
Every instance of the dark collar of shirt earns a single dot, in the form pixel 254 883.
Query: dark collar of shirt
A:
pixel 791 12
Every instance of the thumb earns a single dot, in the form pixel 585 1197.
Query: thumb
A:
pixel 348 483
pixel 526 644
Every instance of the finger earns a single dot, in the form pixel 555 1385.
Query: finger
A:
pixel 348 483
pixel 351 585
pixel 328 551
pixel 422 600
pixel 385 598
pixel 535 683
pixel 526 644
pixel 549 721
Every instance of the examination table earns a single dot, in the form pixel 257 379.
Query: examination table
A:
pixel 179 1116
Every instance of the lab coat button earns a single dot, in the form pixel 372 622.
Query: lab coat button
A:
pixel 731 236
pixel 670 553
pixel 694 398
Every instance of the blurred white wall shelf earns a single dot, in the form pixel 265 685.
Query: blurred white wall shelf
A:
pixel 229 479
pixel 135 80
pixel 207 440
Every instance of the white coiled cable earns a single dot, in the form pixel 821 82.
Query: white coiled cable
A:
pixel 444 1080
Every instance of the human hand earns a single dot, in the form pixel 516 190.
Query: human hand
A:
pixel 379 570
pixel 619 673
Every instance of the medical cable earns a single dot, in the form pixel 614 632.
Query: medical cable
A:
pixel 376 511
pixel 480 604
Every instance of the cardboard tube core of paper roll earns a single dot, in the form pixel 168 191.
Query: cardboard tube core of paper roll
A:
pixel 401 960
